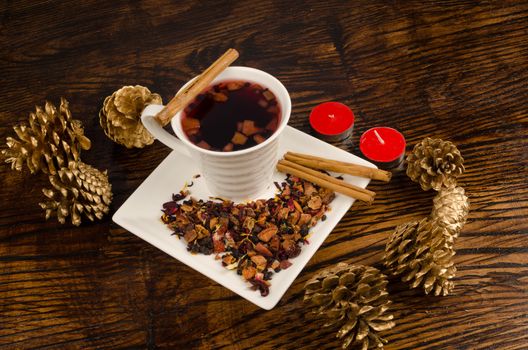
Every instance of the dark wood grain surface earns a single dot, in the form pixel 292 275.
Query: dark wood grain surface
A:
pixel 457 70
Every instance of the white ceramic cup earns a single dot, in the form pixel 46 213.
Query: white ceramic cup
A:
pixel 243 174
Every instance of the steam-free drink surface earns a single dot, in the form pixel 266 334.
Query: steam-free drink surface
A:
pixel 231 115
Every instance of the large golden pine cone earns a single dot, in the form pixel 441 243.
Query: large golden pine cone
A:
pixel 78 190
pixel 435 163
pixel 120 116
pixel 450 209
pixel 421 253
pixel 50 140
pixel 355 299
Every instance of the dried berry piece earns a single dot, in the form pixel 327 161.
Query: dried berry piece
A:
pixel 201 231
pixel 304 219
pixel 203 144
pixel 262 249
pixel 291 248
pixel 259 138
pixel 249 223
pixel 261 286
pixel 294 218
pixel 249 272
pixel 218 246
pixel 193 132
pixel 273 124
pixel 297 206
pixel 268 95
pixel 190 235
pixel 228 148
pixel 326 195
pixel 228 259
pixel 213 222
pixel 274 243
pixel 315 202
pixel 249 128
pixel 284 264
pixel 219 97
pixel 239 138
pixel 266 234
pixel 263 103
pixel 283 213
pixel 259 261
pixel 234 85
pixel 190 123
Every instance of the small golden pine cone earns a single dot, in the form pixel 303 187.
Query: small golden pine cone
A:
pixel 49 141
pixel 435 163
pixel 421 253
pixel 450 209
pixel 120 116
pixel 78 190
pixel 355 299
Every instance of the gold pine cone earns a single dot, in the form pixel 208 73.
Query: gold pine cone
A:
pixel 435 163
pixel 450 209
pixel 50 140
pixel 78 190
pixel 421 252
pixel 120 116
pixel 355 299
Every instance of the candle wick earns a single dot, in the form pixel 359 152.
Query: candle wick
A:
pixel 331 116
pixel 382 141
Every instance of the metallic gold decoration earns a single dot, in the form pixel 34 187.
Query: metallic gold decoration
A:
pixel 421 252
pixel 435 163
pixel 450 209
pixel 353 298
pixel 50 141
pixel 121 112
pixel 78 190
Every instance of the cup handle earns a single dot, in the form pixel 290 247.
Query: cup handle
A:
pixel 151 124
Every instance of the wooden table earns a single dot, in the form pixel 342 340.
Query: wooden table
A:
pixel 456 70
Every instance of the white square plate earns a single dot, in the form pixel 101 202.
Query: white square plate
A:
pixel 141 212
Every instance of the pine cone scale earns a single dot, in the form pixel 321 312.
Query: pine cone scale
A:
pixel 45 142
pixel 120 116
pixel 450 209
pixel 428 261
pixel 435 163
pixel 355 298
pixel 75 192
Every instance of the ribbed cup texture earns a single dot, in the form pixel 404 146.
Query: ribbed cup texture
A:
pixel 241 176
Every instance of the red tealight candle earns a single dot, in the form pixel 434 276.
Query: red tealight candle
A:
pixel 332 121
pixel 384 146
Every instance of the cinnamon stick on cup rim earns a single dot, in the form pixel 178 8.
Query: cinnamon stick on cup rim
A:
pixel 338 166
pixel 325 181
pixel 183 98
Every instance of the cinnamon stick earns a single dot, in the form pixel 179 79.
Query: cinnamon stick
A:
pixel 326 181
pixel 337 166
pixel 186 96
pixel 326 177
